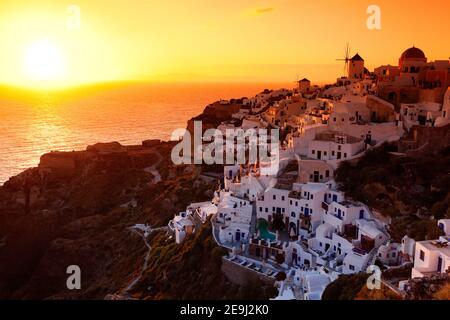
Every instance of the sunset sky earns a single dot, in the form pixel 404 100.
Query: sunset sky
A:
pixel 205 40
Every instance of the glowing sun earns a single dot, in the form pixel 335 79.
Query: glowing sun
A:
pixel 42 60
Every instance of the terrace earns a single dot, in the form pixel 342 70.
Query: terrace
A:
pixel 295 195
pixel 264 268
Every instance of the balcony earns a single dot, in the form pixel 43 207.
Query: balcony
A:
pixel 295 195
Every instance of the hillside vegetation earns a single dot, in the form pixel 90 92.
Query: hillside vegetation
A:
pixel 413 190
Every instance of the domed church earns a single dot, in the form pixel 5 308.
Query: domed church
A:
pixel 412 60
pixel 414 80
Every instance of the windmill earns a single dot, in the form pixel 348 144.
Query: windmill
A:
pixel 346 58
pixel 297 79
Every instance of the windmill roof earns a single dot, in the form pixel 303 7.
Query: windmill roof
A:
pixel 357 57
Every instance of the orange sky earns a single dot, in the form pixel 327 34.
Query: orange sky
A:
pixel 204 40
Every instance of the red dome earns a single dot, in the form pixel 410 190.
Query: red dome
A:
pixel 413 53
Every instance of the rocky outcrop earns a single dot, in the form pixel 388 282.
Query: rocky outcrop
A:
pixel 76 208
pixel 214 114
pixel 434 286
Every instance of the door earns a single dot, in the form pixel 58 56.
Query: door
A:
pixel 334 198
pixel 238 235
pixel 361 214
pixel 319 154
pixel 439 266
pixel 339 155
pixel 316 176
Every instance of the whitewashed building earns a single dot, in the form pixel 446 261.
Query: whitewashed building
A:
pixel 334 146
pixel 433 256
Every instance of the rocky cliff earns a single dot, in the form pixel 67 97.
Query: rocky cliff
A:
pixel 76 208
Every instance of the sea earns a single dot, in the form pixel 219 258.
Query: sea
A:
pixel 33 122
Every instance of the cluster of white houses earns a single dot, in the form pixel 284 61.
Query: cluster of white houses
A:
pixel 320 233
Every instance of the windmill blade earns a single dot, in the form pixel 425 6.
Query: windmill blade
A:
pixel 347 51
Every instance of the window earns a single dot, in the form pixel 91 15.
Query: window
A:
pixel 422 255
pixel 282 198
pixel 293 214
pixel 327 173
pixel 332 153
pixel 311 196
pixel 351 267
pixel 262 198
pixel 282 210
pixel 296 203
pixel 320 243
pixel 274 197
pixel 339 147
pixel 290 202
pixel 314 152
pixel 267 209
pixel 345 155
pixel 260 209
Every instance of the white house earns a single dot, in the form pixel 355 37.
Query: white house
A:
pixel 433 256
pixel 182 226
pixel 389 253
pixel 423 113
pixel 445 117
pixel 334 146
pixel 233 218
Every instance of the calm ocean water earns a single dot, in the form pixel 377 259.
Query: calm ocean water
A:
pixel 35 123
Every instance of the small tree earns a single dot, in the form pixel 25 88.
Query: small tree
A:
pixel 278 224
pixel 279 258
pixel 280 276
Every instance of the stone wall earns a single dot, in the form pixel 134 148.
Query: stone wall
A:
pixel 241 275
pixel 428 137
pixel 380 110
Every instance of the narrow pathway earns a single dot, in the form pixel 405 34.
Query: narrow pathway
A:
pixel 152 169
pixel 143 231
